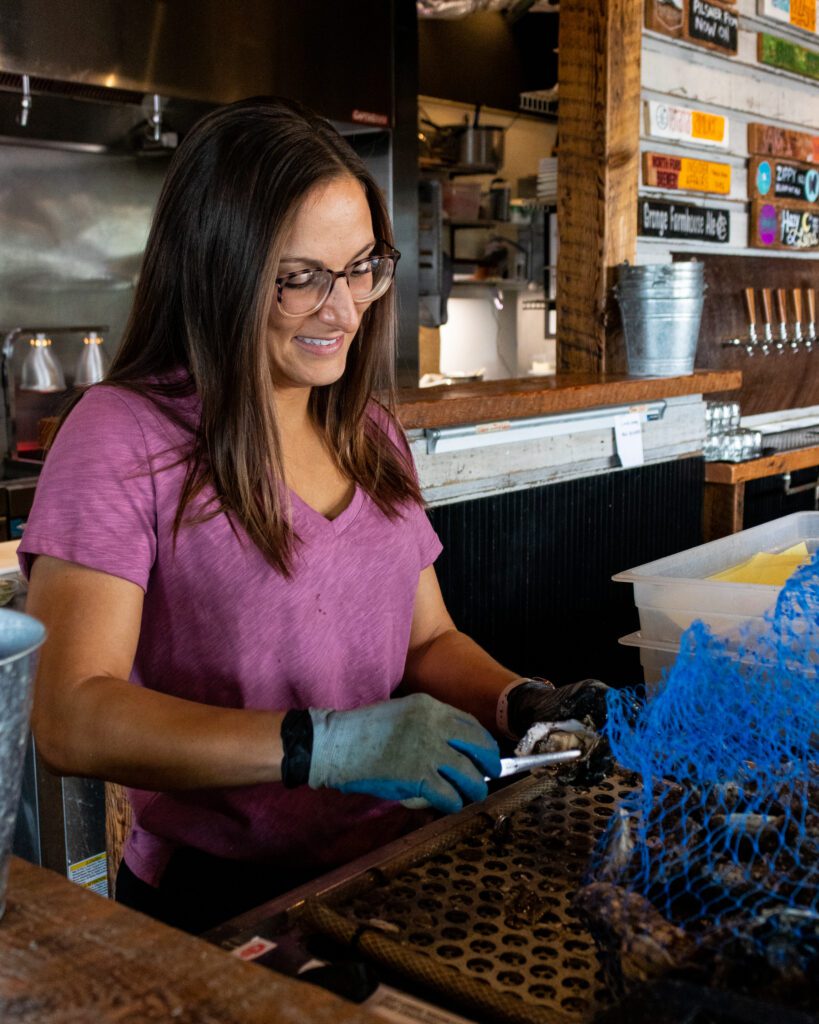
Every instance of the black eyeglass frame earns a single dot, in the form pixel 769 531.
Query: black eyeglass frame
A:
pixel 393 255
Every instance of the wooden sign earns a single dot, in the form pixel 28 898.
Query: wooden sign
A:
pixel 664 170
pixel 665 121
pixel 712 25
pixel 797 13
pixel 783 227
pixel 782 179
pixel 767 140
pixel 780 53
pixel 665 16
pixel 683 220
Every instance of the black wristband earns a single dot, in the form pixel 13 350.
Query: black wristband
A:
pixel 297 742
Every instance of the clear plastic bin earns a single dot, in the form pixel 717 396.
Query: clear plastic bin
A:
pixel 657 655
pixel 674 591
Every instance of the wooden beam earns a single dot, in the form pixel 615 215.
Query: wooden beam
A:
pixel 598 172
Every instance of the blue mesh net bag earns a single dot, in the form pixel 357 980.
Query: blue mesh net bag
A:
pixel 715 855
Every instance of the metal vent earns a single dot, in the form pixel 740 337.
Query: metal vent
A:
pixel 77 90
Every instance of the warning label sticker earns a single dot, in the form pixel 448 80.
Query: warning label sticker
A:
pixel 91 873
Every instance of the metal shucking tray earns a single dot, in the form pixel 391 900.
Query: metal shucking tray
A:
pixel 481 912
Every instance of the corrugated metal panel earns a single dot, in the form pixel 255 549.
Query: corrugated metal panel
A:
pixel 528 573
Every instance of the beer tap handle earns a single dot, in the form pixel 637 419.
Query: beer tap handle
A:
pixel 796 296
pixel 750 305
pixel 782 305
pixel 767 309
pixel 796 299
pixel 812 305
pixel 766 305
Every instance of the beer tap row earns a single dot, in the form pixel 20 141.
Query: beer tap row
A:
pixel 784 334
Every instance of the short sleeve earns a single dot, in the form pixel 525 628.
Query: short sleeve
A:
pixel 95 502
pixel 429 544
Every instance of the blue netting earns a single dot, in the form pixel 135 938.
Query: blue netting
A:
pixel 722 836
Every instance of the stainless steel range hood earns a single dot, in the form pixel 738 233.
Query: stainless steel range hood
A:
pixel 208 51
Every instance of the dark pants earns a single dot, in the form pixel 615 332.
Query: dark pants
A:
pixel 199 892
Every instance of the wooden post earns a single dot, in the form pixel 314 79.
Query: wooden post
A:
pixel 598 170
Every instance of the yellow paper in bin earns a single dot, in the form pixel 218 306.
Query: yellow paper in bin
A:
pixel 769 569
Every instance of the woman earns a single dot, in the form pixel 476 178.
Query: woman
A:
pixel 232 523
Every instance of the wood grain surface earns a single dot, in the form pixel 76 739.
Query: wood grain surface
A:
pixel 769 140
pixel 779 381
pixel 542 396
pixel 68 956
pixel 598 176
pixel 756 469
pixel 117 825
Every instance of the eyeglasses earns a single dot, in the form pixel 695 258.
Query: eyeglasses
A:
pixel 305 291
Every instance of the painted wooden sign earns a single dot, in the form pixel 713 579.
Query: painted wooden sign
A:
pixel 664 170
pixel 778 226
pixel 798 13
pixel 683 124
pixel 665 16
pixel 783 179
pixel 781 53
pixel 712 25
pixel 768 140
pixel 683 220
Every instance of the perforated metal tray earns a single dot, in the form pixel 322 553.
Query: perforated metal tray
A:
pixel 482 912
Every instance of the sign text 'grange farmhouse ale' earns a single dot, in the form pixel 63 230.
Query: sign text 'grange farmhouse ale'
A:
pixel 664 170
pixel 768 140
pixel 783 227
pixel 683 220
pixel 712 25
pixel 683 124
pixel 772 178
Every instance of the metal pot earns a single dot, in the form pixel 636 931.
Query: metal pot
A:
pixel 479 147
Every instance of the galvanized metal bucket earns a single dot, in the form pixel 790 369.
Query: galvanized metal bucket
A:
pixel 20 640
pixel 661 307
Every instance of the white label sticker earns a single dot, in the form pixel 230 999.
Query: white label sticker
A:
pixel 628 437
pixel 399 1008
pixel 91 873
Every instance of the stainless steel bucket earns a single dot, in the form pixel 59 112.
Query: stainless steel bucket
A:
pixel 661 307
pixel 20 640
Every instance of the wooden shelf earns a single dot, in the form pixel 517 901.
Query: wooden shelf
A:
pixel 756 469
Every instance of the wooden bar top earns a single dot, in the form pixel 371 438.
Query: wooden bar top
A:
pixel 756 469
pixel 68 956
pixel 487 401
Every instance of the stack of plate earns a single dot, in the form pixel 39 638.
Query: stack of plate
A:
pixel 547 178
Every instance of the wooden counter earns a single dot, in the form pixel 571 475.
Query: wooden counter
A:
pixel 68 956
pixel 455 404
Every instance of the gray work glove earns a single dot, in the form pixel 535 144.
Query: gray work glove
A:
pixel 414 749
pixel 537 701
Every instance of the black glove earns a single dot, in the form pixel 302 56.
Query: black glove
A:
pixel 535 701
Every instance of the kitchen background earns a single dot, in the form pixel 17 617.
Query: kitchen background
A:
pixel 94 97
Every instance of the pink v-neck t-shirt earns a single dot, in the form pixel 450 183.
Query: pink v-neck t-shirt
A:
pixel 221 627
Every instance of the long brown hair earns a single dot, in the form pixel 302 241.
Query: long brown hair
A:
pixel 202 304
